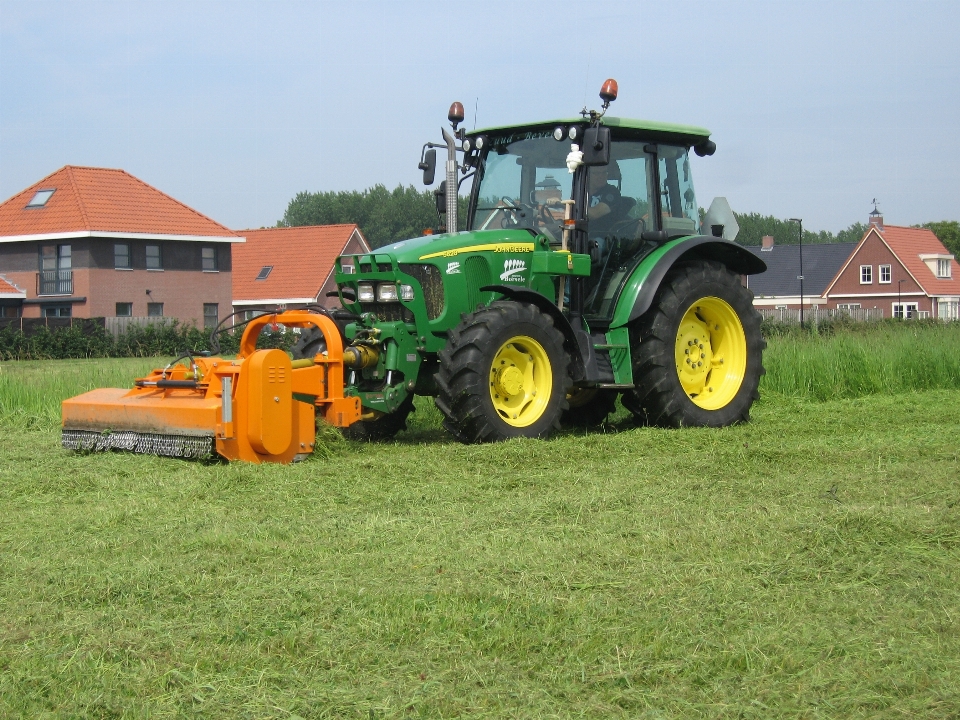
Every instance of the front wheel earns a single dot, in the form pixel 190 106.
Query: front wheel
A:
pixel 697 352
pixel 503 374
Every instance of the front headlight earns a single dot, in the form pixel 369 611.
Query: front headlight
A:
pixel 406 293
pixel 365 292
pixel 386 292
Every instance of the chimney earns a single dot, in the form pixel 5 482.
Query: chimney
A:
pixel 766 243
pixel 875 219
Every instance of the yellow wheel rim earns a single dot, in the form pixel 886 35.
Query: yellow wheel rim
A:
pixel 711 353
pixel 521 381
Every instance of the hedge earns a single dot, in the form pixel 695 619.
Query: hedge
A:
pixel 88 338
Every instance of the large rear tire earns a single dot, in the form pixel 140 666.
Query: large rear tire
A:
pixel 503 374
pixel 697 353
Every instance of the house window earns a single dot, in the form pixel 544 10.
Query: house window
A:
pixel 154 309
pixel 58 311
pixel 866 274
pixel 346 269
pixel 948 309
pixel 943 268
pixel 905 311
pixel 11 311
pixel 885 274
pixel 121 256
pixel 210 315
pixel 124 309
pixel 40 198
pixel 209 259
pixel 154 258
pixel 56 274
pixel 848 306
pixel 264 272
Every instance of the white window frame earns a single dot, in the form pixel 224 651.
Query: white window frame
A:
pixel 885 271
pixel 848 306
pixel 943 268
pixel 912 310
pixel 866 274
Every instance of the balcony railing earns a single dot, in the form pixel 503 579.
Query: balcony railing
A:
pixel 55 282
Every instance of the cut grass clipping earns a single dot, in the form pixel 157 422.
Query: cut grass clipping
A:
pixel 803 565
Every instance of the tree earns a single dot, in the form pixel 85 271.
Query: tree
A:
pixel 947 232
pixel 383 216
pixel 753 226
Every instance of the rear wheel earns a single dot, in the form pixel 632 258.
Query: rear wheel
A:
pixel 503 374
pixel 697 351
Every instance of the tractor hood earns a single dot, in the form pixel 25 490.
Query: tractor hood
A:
pixel 436 247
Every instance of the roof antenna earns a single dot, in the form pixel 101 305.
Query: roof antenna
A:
pixel 476 101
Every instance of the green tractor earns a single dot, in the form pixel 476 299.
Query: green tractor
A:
pixel 580 273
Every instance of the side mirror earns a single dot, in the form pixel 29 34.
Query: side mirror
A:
pixel 429 166
pixel 440 195
pixel 596 146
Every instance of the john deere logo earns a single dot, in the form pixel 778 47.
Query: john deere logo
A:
pixel 453 268
pixel 513 270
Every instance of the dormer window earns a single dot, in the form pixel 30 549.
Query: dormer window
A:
pixel 40 198
pixel 943 268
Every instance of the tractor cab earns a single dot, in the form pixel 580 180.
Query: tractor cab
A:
pixel 626 202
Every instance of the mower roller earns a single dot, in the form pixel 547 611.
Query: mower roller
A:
pixel 260 407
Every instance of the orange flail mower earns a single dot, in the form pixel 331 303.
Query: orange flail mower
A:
pixel 260 407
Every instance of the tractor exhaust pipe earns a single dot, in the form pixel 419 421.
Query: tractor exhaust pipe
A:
pixel 455 116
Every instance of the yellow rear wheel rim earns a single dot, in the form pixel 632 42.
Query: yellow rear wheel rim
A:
pixel 521 380
pixel 711 353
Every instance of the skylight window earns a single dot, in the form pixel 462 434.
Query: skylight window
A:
pixel 40 198
pixel 264 272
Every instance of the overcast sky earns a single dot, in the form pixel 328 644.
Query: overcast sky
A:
pixel 234 106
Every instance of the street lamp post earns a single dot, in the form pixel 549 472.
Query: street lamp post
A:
pixel 799 222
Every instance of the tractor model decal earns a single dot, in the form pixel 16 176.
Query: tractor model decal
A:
pixel 487 247
pixel 512 270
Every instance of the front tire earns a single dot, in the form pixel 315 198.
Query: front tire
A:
pixel 503 374
pixel 697 351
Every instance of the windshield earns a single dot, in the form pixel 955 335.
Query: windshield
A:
pixel 525 180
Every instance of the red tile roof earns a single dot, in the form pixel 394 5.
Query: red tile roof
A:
pixel 103 200
pixel 909 244
pixel 8 288
pixel 302 260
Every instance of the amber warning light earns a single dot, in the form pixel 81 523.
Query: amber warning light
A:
pixel 608 93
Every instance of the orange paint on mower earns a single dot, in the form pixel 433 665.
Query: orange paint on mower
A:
pixel 261 407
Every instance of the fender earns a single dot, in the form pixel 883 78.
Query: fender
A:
pixel 640 289
pixel 577 343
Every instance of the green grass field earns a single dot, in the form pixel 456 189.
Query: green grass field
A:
pixel 804 565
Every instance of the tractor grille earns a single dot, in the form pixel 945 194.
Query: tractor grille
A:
pixel 429 278
pixel 389 312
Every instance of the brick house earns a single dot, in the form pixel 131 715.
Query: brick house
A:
pixel 905 272
pixel 779 287
pixel 280 268
pixel 96 242
pixel 11 298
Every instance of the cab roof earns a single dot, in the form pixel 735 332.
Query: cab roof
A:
pixel 685 134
